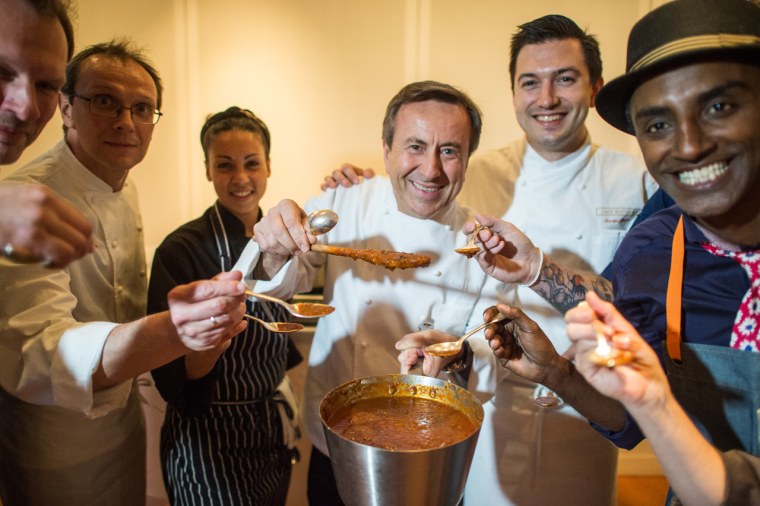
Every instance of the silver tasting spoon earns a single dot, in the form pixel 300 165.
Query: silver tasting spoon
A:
pixel 321 221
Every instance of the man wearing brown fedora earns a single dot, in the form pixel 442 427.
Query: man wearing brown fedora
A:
pixel 689 280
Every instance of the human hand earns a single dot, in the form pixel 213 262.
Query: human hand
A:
pixel 412 350
pixel 508 254
pixel 38 225
pixel 520 344
pixel 347 175
pixel 640 384
pixel 207 313
pixel 281 232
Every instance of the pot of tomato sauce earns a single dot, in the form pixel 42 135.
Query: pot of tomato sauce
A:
pixel 401 439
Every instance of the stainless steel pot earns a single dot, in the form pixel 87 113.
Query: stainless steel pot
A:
pixel 367 475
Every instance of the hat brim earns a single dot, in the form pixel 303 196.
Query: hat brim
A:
pixel 612 100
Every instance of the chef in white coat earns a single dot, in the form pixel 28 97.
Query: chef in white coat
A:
pixel 430 130
pixel 576 200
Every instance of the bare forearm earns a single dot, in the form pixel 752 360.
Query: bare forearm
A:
pixel 137 347
pixel 268 266
pixel 694 468
pixel 199 363
pixel 569 384
pixel 564 288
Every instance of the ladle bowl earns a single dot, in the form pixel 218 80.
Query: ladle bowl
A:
pixel 322 221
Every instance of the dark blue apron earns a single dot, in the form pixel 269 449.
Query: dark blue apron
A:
pixel 719 387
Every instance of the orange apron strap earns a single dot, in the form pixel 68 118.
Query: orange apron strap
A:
pixel 673 297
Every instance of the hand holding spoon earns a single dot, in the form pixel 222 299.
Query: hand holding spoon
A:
pixel 451 348
pixel 470 250
pixel 607 356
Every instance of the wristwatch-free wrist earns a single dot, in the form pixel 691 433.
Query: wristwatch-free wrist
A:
pixel 458 370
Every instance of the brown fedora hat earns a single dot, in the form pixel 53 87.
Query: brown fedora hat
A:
pixel 677 33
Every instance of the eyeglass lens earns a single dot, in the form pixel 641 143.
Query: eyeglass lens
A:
pixel 105 105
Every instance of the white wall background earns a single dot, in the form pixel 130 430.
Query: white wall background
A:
pixel 320 73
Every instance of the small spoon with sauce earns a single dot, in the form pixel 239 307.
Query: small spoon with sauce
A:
pixel 300 309
pixel 450 348
pixel 282 327
pixel 607 356
pixel 470 250
pixel 321 221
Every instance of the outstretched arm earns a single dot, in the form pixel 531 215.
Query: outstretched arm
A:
pixel 523 348
pixel 511 257
pixel 140 346
pixel 694 468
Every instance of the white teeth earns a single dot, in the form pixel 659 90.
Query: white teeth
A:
pixel 703 174
pixel 241 194
pixel 426 189
pixel 547 117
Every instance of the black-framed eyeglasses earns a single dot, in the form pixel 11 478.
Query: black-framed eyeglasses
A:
pixel 105 105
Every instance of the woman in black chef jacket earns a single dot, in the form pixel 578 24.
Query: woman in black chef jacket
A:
pixel 228 434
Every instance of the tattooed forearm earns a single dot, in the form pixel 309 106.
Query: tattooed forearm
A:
pixel 564 288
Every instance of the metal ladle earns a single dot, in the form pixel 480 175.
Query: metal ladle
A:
pixel 450 348
pixel 282 327
pixel 321 221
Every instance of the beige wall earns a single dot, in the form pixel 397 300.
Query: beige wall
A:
pixel 320 73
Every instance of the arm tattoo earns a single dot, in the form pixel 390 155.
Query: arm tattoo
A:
pixel 564 288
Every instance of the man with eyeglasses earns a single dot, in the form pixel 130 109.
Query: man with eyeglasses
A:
pixel 72 340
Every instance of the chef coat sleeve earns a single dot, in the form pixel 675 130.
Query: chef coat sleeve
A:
pixel 46 356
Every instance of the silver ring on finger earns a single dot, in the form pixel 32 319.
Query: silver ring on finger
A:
pixel 11 254
pixel 213 320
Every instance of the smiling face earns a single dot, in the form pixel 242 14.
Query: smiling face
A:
pixel 699 130
pixel 32 70
pixel 238 167
pixel 552 95
pixel 429 155
pixel 109 147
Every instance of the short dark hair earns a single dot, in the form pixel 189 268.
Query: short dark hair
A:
pixel 58 9
pixel 123 50
pixel 423 91
pixel 234 118
pixel 555 27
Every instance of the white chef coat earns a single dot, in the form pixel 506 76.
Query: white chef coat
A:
pixel 65 443
pixel 375 307
pixel 577 210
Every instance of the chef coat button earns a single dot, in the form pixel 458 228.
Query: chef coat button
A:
pixel 368 301
pixel 142 272
pixel 364 344
pixel 139 228
pixel 120 289
pixel 579 236
pixel 582 186
pixel 114 244
pixel 438 274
